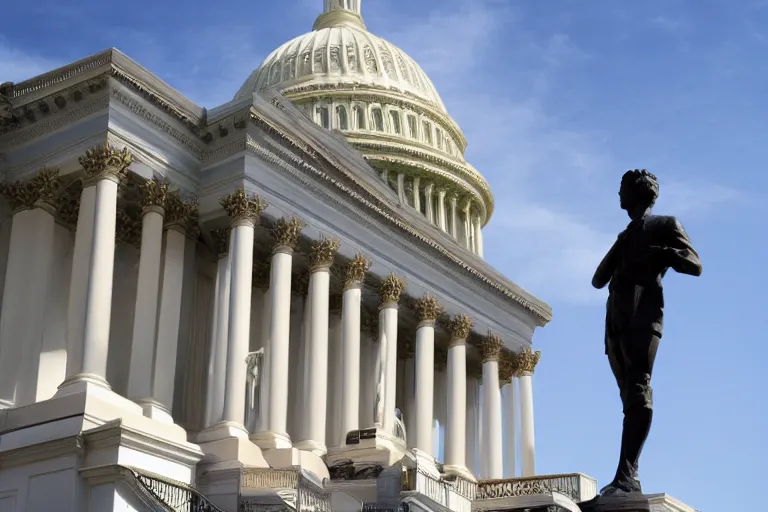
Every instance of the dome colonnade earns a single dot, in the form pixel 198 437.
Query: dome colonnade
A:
pixel 95 207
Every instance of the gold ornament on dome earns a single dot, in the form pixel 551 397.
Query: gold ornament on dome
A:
pixel 527 361
pixel 180 213
pixel 261 274
pixel 323 252
pixel 220 239
pixel 103 161
pixel 428 308
pixel 460 326
pixel 242 207
pixel 391 289
pixel 286 233
pixel 356 270
pixel 490 347
pixel 154 192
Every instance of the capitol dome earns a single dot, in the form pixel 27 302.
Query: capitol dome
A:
pixel 348 79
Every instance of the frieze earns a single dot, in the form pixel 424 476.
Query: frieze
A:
pixel 56 76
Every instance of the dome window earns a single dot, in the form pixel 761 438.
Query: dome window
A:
pixel 427 128
pixel 322 117
pixel 359 114
pixel 341 118
pixel 378 120
pixel 395 116
pixel 439 136
pixel 413 127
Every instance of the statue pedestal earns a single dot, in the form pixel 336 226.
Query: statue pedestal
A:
pixel 369 445
pixel 633 502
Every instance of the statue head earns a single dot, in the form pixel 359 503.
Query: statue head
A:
pixel 639 190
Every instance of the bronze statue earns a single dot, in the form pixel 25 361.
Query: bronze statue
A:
pixel 635 267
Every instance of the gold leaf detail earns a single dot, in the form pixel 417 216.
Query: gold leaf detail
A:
pixel 460 326
pixel 428 308
pixel 391 289
pixel 103 161
pixel 356 270
pixel 527 361
pixel 240 206
pixel 490 347
pixel 323 252
pixel 180 213
pixel 154 192
pixel 286 233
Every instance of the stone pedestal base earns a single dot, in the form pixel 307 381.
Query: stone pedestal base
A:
pixel 633 502
pixel 226 445
pixel 287 458
pixel 369 445
pixel 267 440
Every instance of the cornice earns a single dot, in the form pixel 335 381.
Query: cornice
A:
pixel 372 203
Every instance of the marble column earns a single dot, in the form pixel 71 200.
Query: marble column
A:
pixel 315 413
pixel 456 426
pixel 261 274
pixel 154 194
pixel 243 211
pixel 333 434
pixel 428 308
pixel 416 194
pixel 181 221
pixel 27 282
pixel 401 187
pixel 492 453
pixel 507 369
pixel 441 214
pixel 454 217
pixel 527 361
pixel 430 212
pixel 390 290
pixel 473 418
pixel 478 226
pixel 466 217
pixel 87 356
pixel 286 235
pixel 350 340
pixel 217 362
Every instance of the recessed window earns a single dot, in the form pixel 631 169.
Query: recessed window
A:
pixel 413 127
pixel 427 129
pixel 341 118
pixel 378 120
pixel 359 118
pixel 395 116
pixel 439 135
pixel 323 119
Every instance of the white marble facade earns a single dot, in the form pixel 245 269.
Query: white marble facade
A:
pixel 197 293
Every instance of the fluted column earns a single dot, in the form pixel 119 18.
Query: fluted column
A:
pixel 181 221
pixel 456 427
pixel 441 216
pixel 321 258
pixel 507 369
pixel 473 417
pixel 467 225
pixel 286 235
pixel 490 348
pixel 217 363
pixel 428 308
pixel 154 195
pixel 261 272
pixel 429 212
pixel 454 217
pixel 333 434
pixel 401 187
pixel 29 271
pixel 527 361
pixel 350 340
pixel 105 166
pixel 243 211
pixel 478 235
pixel 390 291
pixel 416 195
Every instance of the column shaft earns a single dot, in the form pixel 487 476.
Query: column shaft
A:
pixel 425 386
pixel 429 212
pixel 473 423
pixel 217 364
pixel 510 436
pixel 528 448
pixel 388 326
pixel 416 195
pixel 454 219
pixel 239 322
pixel 455 431
pixel 441 216
pixel 350 340
pixel 478 236
pixel 492 442
pixel 145 310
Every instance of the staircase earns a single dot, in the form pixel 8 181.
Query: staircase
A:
pixel 160 494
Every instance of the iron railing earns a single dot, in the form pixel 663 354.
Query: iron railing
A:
pixel 173 496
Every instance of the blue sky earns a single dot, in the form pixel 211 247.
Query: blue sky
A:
pixel 556 99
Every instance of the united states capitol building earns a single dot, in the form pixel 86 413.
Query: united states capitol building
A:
pixel 277 304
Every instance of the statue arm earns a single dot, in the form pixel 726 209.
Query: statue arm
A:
pixel 607 266
pixel 681 256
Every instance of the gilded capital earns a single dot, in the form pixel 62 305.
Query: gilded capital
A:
pixel 323 253
pixel 221 241
pixel 47 187
pixel 460 326
pixel 181 214
pixel 154 192
pixel 428 308
pixel 20 195
pixel 490 347
pixel 42 190
pixel 507 368
pixel 356 270
pixel 242 207
pixel 390 289
pixel 104 161
pixel 68 207
pixel 527 361
pixel 286 233
pixel 261 274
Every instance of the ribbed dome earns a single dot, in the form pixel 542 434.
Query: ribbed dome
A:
pixel 343 54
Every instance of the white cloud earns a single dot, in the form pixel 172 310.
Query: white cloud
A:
pixel 697 197
pixel 17 65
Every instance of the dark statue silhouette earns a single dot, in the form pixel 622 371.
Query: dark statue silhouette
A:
pixel 633 270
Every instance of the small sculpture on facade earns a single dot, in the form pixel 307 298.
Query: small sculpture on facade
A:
pixel 253 381
pixel 634 267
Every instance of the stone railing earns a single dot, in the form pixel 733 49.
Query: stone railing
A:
pixel 576 486
pixel 295 488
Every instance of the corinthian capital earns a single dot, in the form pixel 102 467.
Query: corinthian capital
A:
pixel 507 368
pixel 391 289
pixel 155 193
pixel 460 326
pixel 41 191
pixel 180 214
pixel 105 162
pixel 221 241
pixel 286 233
pixel 356 270
pixel 428 308
pixel 490 347
pixel 323 253
pixel 527 361
pixel 243 208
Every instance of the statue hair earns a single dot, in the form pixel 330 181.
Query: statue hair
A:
pixel 643 185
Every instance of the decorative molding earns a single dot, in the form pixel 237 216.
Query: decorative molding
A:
pixel 127 229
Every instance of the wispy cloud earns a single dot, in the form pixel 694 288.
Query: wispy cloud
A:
pixel 17 65
pixel 698 197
